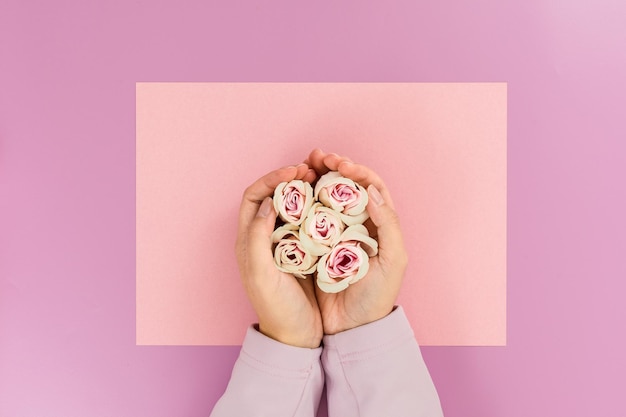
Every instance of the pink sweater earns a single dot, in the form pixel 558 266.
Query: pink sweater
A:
pixel 374 370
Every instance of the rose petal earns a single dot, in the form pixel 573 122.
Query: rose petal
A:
pixel 325 180
pixel 315 248
pixel 327 284
pixel 334 287
pixel 284 230
pixel 360 206
pixel 365 267
pixel 359 233
pixel 352 220
pixel 344 261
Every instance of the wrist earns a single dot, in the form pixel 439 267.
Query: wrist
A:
pixel 309 341
pixel 349 323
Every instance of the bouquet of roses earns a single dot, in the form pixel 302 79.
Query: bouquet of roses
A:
pixel 323 231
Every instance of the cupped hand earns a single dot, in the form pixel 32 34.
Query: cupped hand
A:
pixel 286 306
pixel 374 296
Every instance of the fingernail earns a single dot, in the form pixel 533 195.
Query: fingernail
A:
pixel 375 194
pixel 265 208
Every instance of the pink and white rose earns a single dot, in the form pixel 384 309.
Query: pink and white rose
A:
pixel 343 195
pixel 321 229
pixel 348 260
pixel 292 200
pixel 289 254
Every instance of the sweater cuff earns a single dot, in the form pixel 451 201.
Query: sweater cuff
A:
pixel 373 338
pixel 271 356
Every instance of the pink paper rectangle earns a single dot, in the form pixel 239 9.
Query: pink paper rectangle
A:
pixel 440 147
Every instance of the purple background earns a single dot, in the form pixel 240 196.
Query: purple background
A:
pixel 67 187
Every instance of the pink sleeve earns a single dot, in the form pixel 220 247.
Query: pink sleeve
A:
pixel 377 370
pixel 272 379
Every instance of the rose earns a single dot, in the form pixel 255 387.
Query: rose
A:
pixel 344 265
pixel 321 229
pixel 348 261
pixel 344 195
pixel 289 254
pixel 292 200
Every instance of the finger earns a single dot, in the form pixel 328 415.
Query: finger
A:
pixel 388 227
pixel 316 161
pixel 301 170
pixel 310 176
pixel 265 185
pixel 255 193
pixel 332 161
pixel 366 177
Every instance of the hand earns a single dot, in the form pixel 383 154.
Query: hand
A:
pixel 286 305
pixel 374 296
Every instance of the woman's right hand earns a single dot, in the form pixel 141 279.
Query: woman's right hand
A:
pixel 286 305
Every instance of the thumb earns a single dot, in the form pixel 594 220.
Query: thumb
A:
pixel 386 221
pixel 260 230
